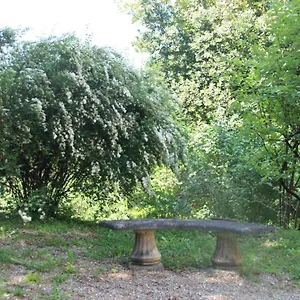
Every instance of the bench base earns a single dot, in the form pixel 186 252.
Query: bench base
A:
pixel 145 252
pixel 227 254
pixel 145 255
pixel 157 267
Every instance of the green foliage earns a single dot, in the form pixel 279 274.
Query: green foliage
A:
pixel 56 293
pixel 76 117
pixel 194 43
pixel 7 37
pixel 33 277
pixel 19 292
pixel 5 256
pixel 160 196
pixel 69 268
pixel 218 181
pixel 167 37
pixel 108 203
pixel 235 66
pixel 269 102
pixel 60 278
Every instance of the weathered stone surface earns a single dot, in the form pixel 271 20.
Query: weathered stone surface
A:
pixel 189 224
pixel 227 254
pixel 145 255
pixel 145 252
pixel 157 267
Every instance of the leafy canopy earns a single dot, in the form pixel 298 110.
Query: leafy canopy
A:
pixel 269 99
pixel 194 43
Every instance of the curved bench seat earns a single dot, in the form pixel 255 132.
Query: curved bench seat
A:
pixel 146 255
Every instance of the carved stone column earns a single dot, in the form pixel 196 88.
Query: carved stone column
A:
pixel 227 254
pixel 145 252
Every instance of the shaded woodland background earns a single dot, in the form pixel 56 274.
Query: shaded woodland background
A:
pixel 209 128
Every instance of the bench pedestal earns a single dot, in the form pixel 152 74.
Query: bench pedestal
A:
pixel 145 254
pixel 227 254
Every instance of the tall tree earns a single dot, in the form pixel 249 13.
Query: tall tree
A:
pixel 194 43
pixel 269 98
pixel 7 37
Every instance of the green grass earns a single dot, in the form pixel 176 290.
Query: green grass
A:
pixel 55 251
pixel 174 245
pixel 33 277
pixel 276 254
pixel 18 291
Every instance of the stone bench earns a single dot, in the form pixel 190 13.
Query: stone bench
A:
pixel 145 254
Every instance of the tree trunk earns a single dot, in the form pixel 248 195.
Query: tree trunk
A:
pixel 297 213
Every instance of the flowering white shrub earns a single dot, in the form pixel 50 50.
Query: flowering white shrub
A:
pixel 24 217
pixel 77 117
pixel 27 218
pixel 42 216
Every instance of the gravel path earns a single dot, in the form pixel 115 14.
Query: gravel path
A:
pixel 120 283
pixel 203 284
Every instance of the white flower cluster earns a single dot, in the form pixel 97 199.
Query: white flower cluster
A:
pixel 42 216
pixel 25 218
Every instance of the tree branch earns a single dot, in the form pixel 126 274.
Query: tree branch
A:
pixel 289 190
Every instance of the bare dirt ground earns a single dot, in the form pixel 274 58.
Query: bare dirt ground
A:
pixel 121 283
